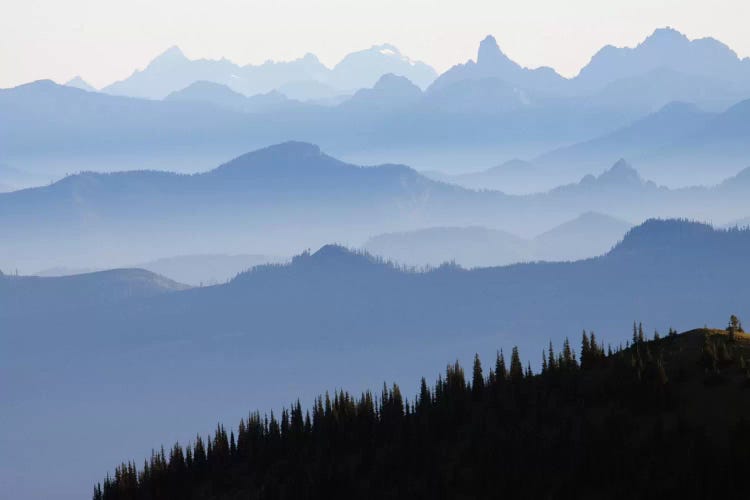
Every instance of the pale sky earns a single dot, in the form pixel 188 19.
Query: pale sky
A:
pixel 105 40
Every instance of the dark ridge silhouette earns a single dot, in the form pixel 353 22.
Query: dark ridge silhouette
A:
pixel 617 423
pixel 307 198
pixel 31 294
pixel 284 331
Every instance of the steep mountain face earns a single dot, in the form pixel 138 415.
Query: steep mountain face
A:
pixel 665 48
pixel 665 67
pixel 172 71
pixel 493 63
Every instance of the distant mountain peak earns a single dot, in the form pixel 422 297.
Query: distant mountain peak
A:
pixel 667 35
pixel 79 83
pixel 392 81
pixel 285 154
pixel 387 49
pixel 621 172
pixel 489 52
pixel 660 235
pixel 170 56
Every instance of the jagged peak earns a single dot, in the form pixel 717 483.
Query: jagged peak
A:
pixel 489 51
pixel 172 55
pixel 621 171
pixel 666 35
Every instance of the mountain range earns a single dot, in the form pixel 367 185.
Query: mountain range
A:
pixel 192 270
pixel 665 54
pixel 172 71
pixel 476 114
pixel 282 199
pixel 328 312
pixel 589 235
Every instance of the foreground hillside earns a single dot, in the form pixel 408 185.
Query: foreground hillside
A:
pixel 656 418
pixel 286 331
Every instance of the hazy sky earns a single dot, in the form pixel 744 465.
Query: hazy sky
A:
pixel 105 40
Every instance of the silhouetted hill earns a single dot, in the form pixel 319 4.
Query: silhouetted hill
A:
pixel 302 197
pixel 28 295
pixel 588 426
pixel 329 313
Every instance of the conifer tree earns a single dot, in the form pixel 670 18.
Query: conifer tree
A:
pixel 500 371
pixel 477 379
pixel 585 351
pixel 516 368
pixel 551 361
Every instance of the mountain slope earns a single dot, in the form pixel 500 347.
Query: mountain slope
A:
pixel 329 313
pixel 172 71
pixel 80 83
pixel 28 295
pixel 288 197
pixel 560 432
pixel 635 141
pixel 491 62
pixel 224 97
pixel 588 235
pixel 665 48
pixel 466 246
pixel 674 145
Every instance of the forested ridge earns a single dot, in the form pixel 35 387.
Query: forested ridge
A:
pixel 656 417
